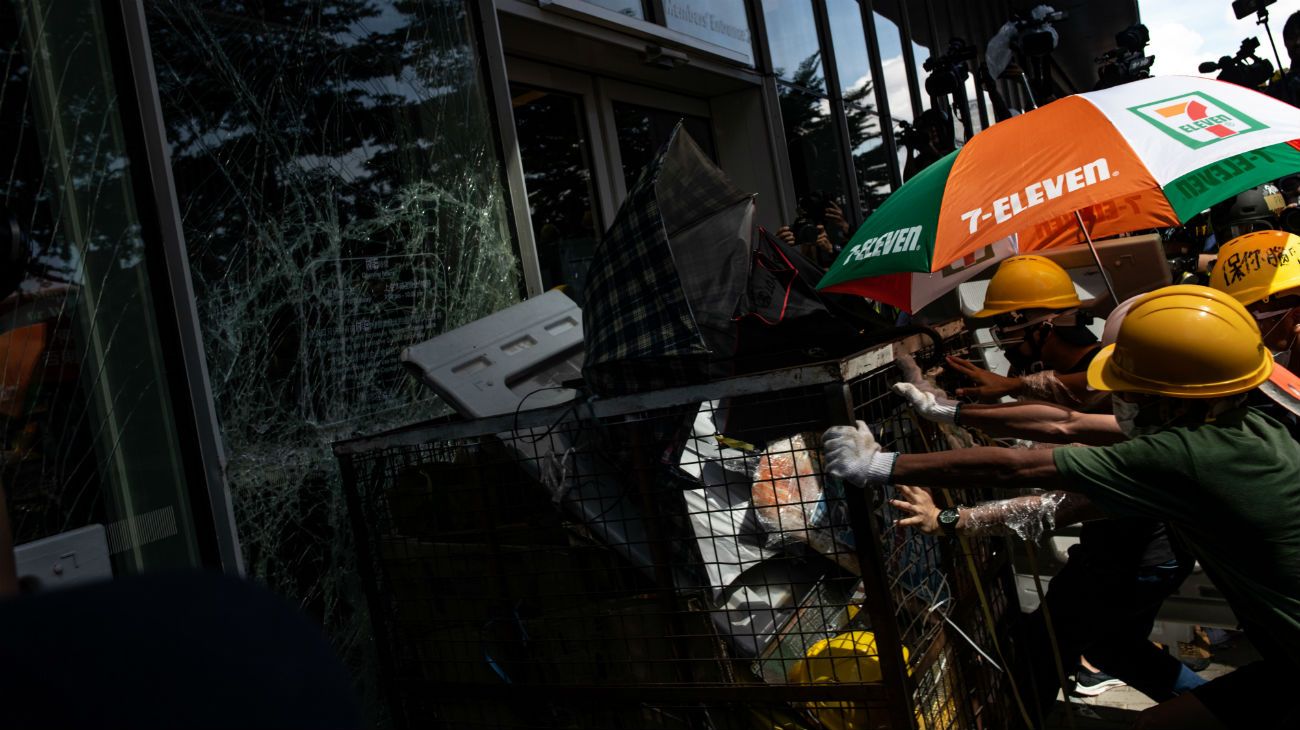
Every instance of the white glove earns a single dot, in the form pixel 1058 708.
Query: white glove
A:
pixel 927 405
pixel 910 370
pixel 852 454
pixel 912 374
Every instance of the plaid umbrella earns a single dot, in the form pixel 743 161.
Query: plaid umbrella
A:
pixel 665 281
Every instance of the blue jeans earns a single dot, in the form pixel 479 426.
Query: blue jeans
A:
pixel 1107 615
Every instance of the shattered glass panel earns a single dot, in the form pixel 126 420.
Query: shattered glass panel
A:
pixel 87 434
pixel 341 200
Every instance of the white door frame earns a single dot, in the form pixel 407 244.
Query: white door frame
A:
pixel 609 91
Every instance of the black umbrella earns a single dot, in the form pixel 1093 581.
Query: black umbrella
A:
pixel 666 279
pixel 681 290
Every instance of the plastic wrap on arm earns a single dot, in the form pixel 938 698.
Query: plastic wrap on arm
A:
pixel 1047 386
pixel 1028 516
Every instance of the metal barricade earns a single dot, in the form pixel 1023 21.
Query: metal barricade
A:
pixel 676 559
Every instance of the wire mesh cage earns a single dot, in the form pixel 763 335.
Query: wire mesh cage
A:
pixel 676 559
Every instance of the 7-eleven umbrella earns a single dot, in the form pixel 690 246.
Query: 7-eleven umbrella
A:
pixel 1147 154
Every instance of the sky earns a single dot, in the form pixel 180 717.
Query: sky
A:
pixel 1186 32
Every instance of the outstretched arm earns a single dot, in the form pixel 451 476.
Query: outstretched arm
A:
pixel 1027 516
pixel 853 454
pixel 1053 387
pixel 1045 422
pixel 980 467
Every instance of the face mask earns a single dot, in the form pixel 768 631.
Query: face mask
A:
pixel 1022 364
pixel 1126 414
pixel 1025 364
pixel 1281 357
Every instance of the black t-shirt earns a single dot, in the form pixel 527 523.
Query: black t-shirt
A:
pixel 1121 543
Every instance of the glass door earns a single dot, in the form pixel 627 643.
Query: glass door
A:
pixel 583 142
pixel 554 145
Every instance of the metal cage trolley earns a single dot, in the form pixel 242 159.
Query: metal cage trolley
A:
pixel 677 559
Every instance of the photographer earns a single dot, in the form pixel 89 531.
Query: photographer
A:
pixel 927 141
pixel 1287 88
pixel 1245 68
pixel 1127 61
pixel 819 231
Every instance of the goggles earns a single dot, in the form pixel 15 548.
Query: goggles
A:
pixel 1009 329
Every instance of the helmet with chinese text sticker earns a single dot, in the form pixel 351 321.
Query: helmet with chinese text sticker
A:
pixel 1256 266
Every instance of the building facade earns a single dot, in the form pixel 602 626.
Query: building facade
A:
pixel 227 218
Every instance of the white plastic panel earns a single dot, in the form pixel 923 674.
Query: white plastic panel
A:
pixel 517 355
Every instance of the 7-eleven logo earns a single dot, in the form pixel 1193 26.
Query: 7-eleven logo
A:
pixel 1196 119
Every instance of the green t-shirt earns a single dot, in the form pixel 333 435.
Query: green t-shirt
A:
pixel 1231 491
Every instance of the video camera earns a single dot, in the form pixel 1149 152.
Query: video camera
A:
pixel 1244 69
pixel 910 136
pixel 812 213
pixel 916 135
pixel 1242 8
pixel 1036 36
pixel 1128 60
pixel 948 70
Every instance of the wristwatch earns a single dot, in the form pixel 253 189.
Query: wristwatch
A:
pixel 948 521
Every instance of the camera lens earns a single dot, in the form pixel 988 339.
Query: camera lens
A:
pixel 805 233
pixel 1289 220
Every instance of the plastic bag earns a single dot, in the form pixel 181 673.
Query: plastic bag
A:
pixel 793 504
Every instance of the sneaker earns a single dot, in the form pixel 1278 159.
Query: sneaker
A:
pixel 1091 684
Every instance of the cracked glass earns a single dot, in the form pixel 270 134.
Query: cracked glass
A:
pixel 341 199
pixel 87 433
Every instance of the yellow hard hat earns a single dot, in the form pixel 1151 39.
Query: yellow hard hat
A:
pixel 1028 282
pixel 1258 265
pixel 848 658
pixel 1184 341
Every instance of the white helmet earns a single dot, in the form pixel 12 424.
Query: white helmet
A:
pixel 1111 330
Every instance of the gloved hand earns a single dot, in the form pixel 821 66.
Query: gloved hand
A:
pixel 911 373
pixel 852 454
pixel 927 405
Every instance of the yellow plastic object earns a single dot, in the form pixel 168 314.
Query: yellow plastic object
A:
pixel 850 657
pixel 1258 265
pixel 1184 341
pixel 1028 282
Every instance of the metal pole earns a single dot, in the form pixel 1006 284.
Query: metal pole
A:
pixel 835 92
pixel 882 97
pixel 1263 20
pixel 879 601
pixel 1286 88
pixel 1096 257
